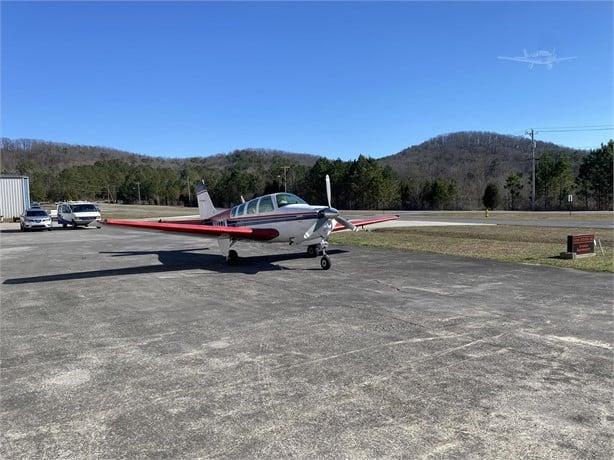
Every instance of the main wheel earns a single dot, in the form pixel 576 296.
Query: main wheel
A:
pixel 312 250
pixel 233 256
pixel 63 225
pixel 325 263
pixel 74 225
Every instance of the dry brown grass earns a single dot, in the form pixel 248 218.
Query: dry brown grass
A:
pixel 510 243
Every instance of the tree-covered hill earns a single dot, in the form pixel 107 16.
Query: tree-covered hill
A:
pixel 452 171
pixel 472 160
pixel 58 156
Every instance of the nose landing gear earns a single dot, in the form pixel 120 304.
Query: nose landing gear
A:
pixel 325 262
pixel 314 249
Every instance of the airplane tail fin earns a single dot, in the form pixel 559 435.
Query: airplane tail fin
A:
pixel 525 52
pixel 205 205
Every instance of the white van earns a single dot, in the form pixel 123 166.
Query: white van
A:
pixel 77 213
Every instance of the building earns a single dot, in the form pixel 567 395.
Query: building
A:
pixel 14 196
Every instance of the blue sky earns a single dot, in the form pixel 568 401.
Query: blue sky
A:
pixel 336 79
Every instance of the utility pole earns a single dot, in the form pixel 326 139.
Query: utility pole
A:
pixel 138 189
pixel 189 196
pixel 286 177
pixel 531 132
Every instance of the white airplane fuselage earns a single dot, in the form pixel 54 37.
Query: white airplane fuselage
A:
pixel 293 223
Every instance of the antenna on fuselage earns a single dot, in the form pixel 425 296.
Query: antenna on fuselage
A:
pixel 242 199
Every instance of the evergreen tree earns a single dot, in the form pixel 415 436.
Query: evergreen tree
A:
pixel 491 196
pixel 595 175
pixel 514 185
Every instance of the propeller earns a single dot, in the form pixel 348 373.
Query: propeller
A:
pixel 346 223
pixel 328 214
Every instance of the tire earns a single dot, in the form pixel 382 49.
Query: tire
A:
pixel 74 225
pixel 64 225
pixel 233 256
pixel 325 263
pixel 23 229
pixel 312 250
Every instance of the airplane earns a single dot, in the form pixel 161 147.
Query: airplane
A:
pixel 275 218
pixel 541 57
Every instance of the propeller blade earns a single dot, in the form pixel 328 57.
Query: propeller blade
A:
pixel 310 231
pixel 314 228
pixel 328 190
pixel 346 223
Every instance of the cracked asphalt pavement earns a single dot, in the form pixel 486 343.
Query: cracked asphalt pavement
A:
pixel 129 344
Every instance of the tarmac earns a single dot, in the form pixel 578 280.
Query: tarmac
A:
pixel 117 343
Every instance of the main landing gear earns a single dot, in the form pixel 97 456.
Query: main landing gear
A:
pixel 233 256
pixel 314 249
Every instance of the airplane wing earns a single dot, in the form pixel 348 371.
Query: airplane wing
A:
pixel 243 233
pixel 517 59
pixel 364 222
pixel 564 59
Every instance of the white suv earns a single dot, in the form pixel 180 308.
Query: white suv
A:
pixel 77 213
pixel 35 218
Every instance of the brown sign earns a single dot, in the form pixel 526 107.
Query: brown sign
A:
pixel 581 244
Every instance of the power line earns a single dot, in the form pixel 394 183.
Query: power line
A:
pixel 599 125
pixel 568 129
pixel 573 130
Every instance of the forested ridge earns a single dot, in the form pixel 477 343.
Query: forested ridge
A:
pixel 465 170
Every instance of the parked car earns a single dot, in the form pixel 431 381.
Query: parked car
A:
pixel 77 213
pixel 35 205
pixel 35 219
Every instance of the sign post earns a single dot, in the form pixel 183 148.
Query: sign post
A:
pixel 570 202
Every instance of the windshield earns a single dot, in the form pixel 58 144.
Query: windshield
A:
pixel 284 199
pixel 84 208
pixel 36 214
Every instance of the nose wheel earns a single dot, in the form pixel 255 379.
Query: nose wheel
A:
pixel 314 249
pixel 325 262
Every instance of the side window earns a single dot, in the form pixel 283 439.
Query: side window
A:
pixel 251 207
pixel 266 204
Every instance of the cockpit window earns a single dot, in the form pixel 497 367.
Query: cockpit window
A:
pixel 233 211
pixel 251 206
pixel 266 204
pixel 239 212
pixel 284 199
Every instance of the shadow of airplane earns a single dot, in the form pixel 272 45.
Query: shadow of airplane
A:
pixel 178 260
